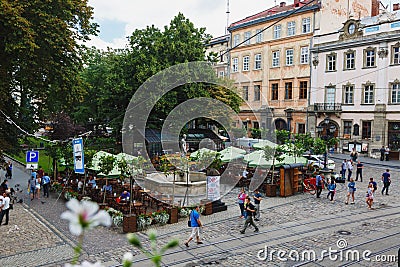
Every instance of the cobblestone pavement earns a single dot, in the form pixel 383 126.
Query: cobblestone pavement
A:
pixel 298 222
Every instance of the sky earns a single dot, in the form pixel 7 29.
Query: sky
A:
pixel 119 18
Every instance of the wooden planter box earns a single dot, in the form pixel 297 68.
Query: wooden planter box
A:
pixel 270 190
pixel 207 206
pixel 173 215
pixel 129 224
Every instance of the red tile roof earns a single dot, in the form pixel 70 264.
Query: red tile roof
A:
pixel 272 11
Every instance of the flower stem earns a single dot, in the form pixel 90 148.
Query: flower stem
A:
pixel 78 249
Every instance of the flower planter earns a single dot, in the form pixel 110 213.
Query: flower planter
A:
pixel 129 224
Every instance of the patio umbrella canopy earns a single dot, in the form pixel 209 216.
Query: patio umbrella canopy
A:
pixel 96 160
pixel 256 159
pixel 232 149
pixel 231 153
pixel 262 143
pixel 201 151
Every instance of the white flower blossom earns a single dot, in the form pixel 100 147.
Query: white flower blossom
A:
pixel 127 259
pixel 84 215
pixel 85 264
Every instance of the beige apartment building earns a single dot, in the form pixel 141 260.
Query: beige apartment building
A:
pixel 270 61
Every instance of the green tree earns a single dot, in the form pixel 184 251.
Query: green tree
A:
pixel 40 54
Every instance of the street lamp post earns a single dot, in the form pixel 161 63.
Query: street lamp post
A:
pixel 329 130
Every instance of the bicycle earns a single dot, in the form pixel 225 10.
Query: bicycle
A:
pixel 308 187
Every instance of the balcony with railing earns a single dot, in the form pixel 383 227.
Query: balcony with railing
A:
pixel 328 107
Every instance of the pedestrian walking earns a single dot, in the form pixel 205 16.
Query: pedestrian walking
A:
pixel 37 187
pixel 349 169
pixel 332 189
pixel 351 189
pixel 354 155
pixel 46 184
pixel 9 170
pixel 386 181
pixel 32 187
pixel 387 150
pixel 241 199
pixel 318 182
pixel 251 210
pixel 257 202
pixel 344 168
pixel 374 184
pixel 382 150
pixel 195 224
pixel 370 196
pixel 5 208
pixel 360 167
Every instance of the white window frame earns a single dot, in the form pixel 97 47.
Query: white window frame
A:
pixel 289 57
pixel 348 94
pixel 277 31
pixel 304 55
pixel 257 92
pixel 396 55
pixel 259 36
pixel 247 39
pixel 246 92
pixel 276 58
pixel 291 28
pixel 331 62
pixel 306 25
pixel 221 74
pixel 246 63
pixel 257 61
pixel 236 39
pixel 350 59
pixel 368 93
pixel 235 64
pixel 395 93
pixel 369 58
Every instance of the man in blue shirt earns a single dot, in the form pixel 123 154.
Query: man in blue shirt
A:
pixel 386 181
pixel 195 224
pixel 257 201
pixel 46 184
pixel 318 182
pixel 125 196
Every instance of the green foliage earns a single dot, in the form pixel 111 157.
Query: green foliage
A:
pixel 154 255
pixel 256 133
pixel 106 164
pixel 282 136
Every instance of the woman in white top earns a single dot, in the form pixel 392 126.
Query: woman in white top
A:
pixel 37 187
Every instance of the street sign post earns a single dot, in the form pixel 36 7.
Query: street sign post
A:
pixel 79 162
pixel 32 156
pixel 31 166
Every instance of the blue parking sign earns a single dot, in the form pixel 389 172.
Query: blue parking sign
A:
pixel 32 156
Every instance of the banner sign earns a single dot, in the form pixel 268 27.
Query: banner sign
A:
pixel 77 146
pixel 213 188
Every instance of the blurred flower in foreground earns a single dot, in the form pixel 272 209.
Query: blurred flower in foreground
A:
pixel 84 215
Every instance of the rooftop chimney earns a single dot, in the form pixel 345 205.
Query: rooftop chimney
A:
pixel 296 3
pixel 375 8
pixel 396 7
pixel 282 4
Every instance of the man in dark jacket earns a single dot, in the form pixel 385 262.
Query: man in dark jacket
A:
pixel 251 210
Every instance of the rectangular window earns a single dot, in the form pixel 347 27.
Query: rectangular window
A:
pixel 369 58
pixel 303 90
pixel 257 62
pixel 274 91
pixel 289 57
pixel 366 129
pixel 246 61
pixel 291 28
pixel 304 55
pixel 331 62
pixel 348 97
pixel 277 31
pixel 288 90
pixel 236 40
pixel 395 93
pixel 259 36
pixel 245 92
pixel 350 61
pixel 235 64
pixel 396 55
pixel 347 128
pixel 368 94
pixel 275 58
pixel 221 74
pixel 301 128
pixel 306 25
pixel 256 125
pixel 257 92
pixel 247 38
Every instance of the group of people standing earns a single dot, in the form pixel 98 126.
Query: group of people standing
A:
pixel 248 210
pixel 39 179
